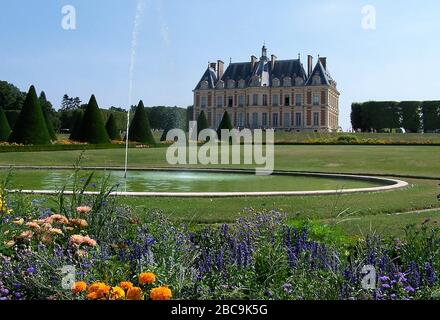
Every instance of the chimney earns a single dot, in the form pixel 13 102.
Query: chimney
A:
pixel 309 65
pixel 213 65
pixel 274 59
pixel 220 69
pixel 323 62
pixel 254 61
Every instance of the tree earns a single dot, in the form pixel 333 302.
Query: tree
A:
pixel 30 127
pixel 11 98
pixel 140 130
pixel 225 124
pixel 69 103
pixel 75 128
pixel 46 107
pixel 92 129
pixel 112 129
pixel 5 129
pixel 410 115
pixel 202 122
pixel 356 116
pixel 431 115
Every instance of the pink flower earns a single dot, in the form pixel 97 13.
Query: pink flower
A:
pixel 83 210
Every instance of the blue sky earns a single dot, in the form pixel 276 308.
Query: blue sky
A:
pixel 399 60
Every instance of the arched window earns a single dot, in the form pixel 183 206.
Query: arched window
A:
pixel 276 82
pixel 287 82
pixel 231 84
pixel 241 84
pixel 299 81
pixel 256 81
pixel 220 84
pixel 316 80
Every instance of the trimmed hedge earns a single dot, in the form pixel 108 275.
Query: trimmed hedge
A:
pixel 30 127
pixel 5 129
pixel 140 130
pixel 92 129
pixel 202 122
pixel 45 107
pixel 413 116
pixel 112 129
pixel 225 124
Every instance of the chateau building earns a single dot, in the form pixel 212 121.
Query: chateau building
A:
pixel 270 93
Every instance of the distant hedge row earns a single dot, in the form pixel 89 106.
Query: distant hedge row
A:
pixel 413 116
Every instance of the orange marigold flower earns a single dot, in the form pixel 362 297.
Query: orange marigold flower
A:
pixel 92 296
pixel 33 225
pixel 26 235
pixel 56 231
pixel 117 293
pixel 126 285
pixel 147 278
pixel 57 218
pixel 135 293
pixel 100 288
pixel 83 209
pixel 89 241
pixel 161 293
pixel 79 287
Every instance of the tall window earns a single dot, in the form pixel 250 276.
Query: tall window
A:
pixel 219 101
pixel 316 99
pixel 286 118
pixel 254 120
pixel 298 120
pixel 264 99
pixel 287 100
pixel 241 119
pixel 264 122
pixel 230 101
pixel 298 100
pixel 275 100
pixel 275 120
pixel 241 101
pixel 204 101
pixel 315 119
pixel 255 99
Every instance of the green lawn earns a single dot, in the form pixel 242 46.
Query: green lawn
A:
pixel 417 161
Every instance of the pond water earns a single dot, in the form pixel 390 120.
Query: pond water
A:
pixel 175 181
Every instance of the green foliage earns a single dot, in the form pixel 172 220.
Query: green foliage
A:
pixel 12 116
pixel 76 116
pixel 140 130
pixel 30 127
pixel 356 117
pixel 112 129
pixel 5 129
pixel 165 117
pixel 11 98
pixel 46 107
pixel 225 124
pixel 202 122
pixel 410 111
pixel 431 115
pixel 92 129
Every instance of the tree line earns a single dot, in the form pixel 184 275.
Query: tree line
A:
pixel 413 116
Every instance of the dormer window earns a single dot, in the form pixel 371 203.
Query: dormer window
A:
pixel 287 82
pixel 256 81
pixel 204 84
pixel 299 81
pixel 241 84
pixel 276 82
pixel 231 84
pixel 316 80
pixel 220 84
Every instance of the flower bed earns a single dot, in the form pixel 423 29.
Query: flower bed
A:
pixel 115 254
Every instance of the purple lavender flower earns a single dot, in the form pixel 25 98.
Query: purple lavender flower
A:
pixel 31 270
pixel 431 277
pixel 287 287
pixel 409 289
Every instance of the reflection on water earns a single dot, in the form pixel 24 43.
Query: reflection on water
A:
pixel 171 181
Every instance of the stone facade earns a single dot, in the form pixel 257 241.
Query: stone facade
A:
pixel 270 93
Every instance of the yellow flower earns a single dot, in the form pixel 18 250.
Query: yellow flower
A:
pixel 126 285
pixel 18 222
pixel 147 278
pixel 135 293
pixel 79 287
pixel 117 293
pixel 161 293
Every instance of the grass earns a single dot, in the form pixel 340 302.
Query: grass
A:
pixel 415 161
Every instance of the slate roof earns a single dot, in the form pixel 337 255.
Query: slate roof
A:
pixel 263 68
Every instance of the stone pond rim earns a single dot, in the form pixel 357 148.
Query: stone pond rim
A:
pixel 387 183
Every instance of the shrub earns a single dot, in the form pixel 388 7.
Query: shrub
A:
pixel 349 139
pixel 140 130
pixel 30 127
pixel 225 124
pixel 45 107
pixel 111 128
pixel 77 121
pixel 202 122
pixel 92 129
pixel 5 129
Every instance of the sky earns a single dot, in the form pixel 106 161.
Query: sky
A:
pixel 399 59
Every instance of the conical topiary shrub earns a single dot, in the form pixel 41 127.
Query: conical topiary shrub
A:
pixel 202 122
pixel 112 129
pixel 44 104
pixel 76 127
pixel 140 130
pixel 5 129
pixel 30 127
pixel 225 124
pixel 92 129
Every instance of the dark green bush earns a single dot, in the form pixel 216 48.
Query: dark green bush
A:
pixel 92 129
pixel 140 130
pixel 112 129
pixel 5 129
